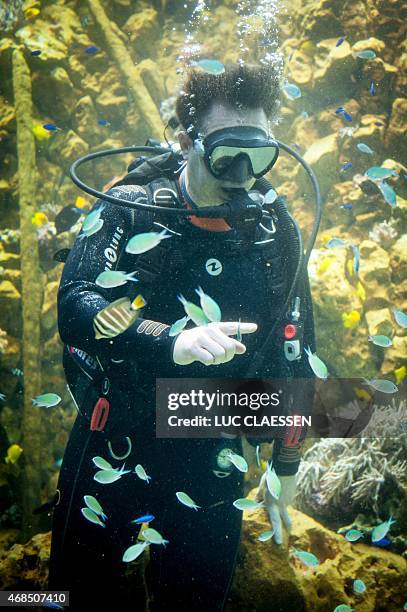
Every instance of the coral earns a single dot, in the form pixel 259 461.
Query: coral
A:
pixel 3 341
pixel 384 233
pixel 347 476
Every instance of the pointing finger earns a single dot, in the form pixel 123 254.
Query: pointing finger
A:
pixel 231 327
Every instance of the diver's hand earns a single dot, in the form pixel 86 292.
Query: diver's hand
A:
pixel 277 509
pixel 210 344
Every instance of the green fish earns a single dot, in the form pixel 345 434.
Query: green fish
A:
pixel 382 341
pixel 109 476
pixel 317 365
pixel 343 608
pixel 92 219
pixel 359 586
pixel 134 551
pixel 102 463
pixel 115 278
pixel 367 54
pixel 388 193
pixel 93 504
pixel 154 537
pixel 377 173
pixel 93 230
pixel 305 557
pixel 238 461
pixel 209 306
pixel 48 400
pixel 273 482
pixel 353 535
pixel 401 317
pixel 194 312
pixel 364 148
pixel 140 243
pixel 141 473
pixel 292 91
pixel 92 517
pixel 208 65
pixel 382 385
pixel 186 500
pixel 247 504
pixel 239 332
pixel 382 530
pixel 177 327
pixel 266 535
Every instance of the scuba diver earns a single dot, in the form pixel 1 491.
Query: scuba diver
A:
pixel 231 236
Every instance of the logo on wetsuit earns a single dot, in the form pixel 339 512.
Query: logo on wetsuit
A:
pixel 111 251
pixel 213 266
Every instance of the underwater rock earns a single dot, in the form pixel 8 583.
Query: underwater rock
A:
pixel 143 31
pixel 395 139
pixel 153 80
pixel 61 94
pixel 72 147
pixel 49 311
pixel 322 156
pixel 26 564
pixel 267 575
pixel 398 260
pixel 379 322
pixel 335 65
pixel 374 273
pixel 86 120
pixel 10 308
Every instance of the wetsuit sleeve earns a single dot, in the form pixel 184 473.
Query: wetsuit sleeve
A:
pixel 80 298
pixel 286 451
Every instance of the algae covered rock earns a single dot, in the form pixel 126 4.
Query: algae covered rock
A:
pixel 270 577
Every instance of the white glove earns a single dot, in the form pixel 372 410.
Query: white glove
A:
pixel 277 509
pixel 210 344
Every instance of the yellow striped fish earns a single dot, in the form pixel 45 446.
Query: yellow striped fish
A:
pixel 118 316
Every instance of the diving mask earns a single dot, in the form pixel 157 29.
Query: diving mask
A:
pixel 238 153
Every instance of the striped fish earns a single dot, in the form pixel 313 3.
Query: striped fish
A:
pixel 115 318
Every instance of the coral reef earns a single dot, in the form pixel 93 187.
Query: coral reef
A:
pixel 340 478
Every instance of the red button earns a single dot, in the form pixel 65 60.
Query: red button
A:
pixel 290 331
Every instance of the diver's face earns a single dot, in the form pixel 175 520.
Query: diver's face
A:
pixel 203 187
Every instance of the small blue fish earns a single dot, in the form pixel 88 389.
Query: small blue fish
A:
pixel 92 49
pixel 146 518
pixel 103 122
pixel 292 91
pixel 36 53
pixel 382 543
pixel 356 258
pixel 339 110
pixel 346 206
pixel 258 455
pixel 309 559
pixel 239 332
pixel 51 127
pixel 347 116
pixel 346 166
pixel 335 242
pixel 382 530
pixel 364 148
pixel 16 372
pixel 366 54
pixel 304 114
pixel 372 89
pixel 383 386
pixel 353 535
pixel 359 586
pixel 211 66
pixel 340 41
pixel 388 193
pixel 401 317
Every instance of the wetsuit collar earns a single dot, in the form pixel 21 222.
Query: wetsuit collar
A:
pixel 214 225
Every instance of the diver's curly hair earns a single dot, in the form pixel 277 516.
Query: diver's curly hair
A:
pixel 239 86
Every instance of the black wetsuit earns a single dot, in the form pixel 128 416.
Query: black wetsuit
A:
pixel 196 567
